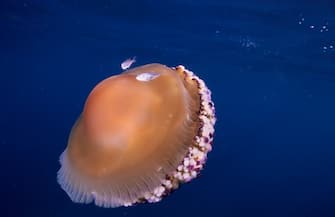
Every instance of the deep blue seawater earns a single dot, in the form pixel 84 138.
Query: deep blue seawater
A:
pixel 270 66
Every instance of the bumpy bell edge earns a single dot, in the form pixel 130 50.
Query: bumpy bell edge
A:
pixel 196 157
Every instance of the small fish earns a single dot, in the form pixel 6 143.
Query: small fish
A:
pixel 127 63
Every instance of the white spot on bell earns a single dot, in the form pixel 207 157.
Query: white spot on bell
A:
pixel 147 76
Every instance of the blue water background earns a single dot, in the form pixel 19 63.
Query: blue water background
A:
pixel 270 66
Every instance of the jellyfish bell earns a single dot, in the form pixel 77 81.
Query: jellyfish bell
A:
pixel 141 134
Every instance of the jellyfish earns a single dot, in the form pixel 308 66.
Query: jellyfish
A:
pixel 141 135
